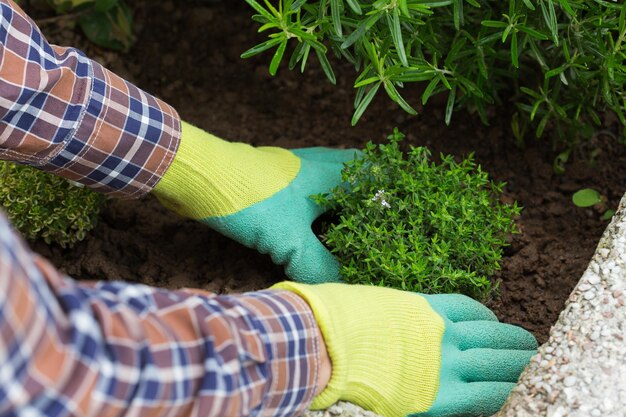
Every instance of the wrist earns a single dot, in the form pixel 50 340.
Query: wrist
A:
pixel 325 369
pixel 212 177
pixel 384 345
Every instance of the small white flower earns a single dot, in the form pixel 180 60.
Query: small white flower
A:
pixel 380 196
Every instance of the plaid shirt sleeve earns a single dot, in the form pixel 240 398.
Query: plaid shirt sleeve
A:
pixel 114 348
pixel 66 114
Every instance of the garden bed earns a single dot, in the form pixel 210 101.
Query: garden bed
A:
pixel 188 54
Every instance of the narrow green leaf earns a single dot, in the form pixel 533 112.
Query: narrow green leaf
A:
pixel 328 70
pixel 415 75
pixel 565 4
pixel 494 24
pixel 364 103
pixel 297 4
pixel 261 47
pixel 393 21
pixel 444 80
pixel 542 125
pixel 430 88
pixel 355 6
pixel 305 57
pixel 514 51
pixel 458 14
pixel 366 81
pixel 555 72
pixel 272 8
pixel 450 105
pixel 530 92
pixel 267 26
pixel 363 27
pixel 529 4
pixel 278 56
pixel 534 33
pixel 336 17
pixel 360 93
pixel 506 32
pixel 296 55
pixel 549 16
pixel 535 109
pixel 404 8
pixel 395 96
pixel 260 9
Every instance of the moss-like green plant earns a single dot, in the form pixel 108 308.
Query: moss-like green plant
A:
pixel 417 225
pixel 41 205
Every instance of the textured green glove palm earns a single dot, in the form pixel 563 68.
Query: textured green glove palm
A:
pixel 398 353
pixel 257 196
pixel 481 358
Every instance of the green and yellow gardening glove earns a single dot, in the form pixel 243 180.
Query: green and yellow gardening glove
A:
pixel 256 196
pixel 404 354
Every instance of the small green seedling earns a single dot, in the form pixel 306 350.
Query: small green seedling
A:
pixel 412 224
pixel 43 206
pixel 588 197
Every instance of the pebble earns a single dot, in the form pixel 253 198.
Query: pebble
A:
pixel 584 287
pixel 590 295
pixel 594 279
pixel 569 381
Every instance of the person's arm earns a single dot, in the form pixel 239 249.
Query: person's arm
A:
pixel 111 348
pixel 66 114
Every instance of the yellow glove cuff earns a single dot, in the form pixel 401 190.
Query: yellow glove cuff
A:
pixel 384 345
pixel 212 177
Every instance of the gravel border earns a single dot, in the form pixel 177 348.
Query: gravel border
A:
pixel 581 370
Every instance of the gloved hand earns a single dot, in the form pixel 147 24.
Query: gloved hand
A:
pixel 398 353
pixel 256 196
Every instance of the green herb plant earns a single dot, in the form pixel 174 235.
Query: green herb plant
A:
pixel 558 63
pixel 416 225
pixel 106 23
pixel 44 206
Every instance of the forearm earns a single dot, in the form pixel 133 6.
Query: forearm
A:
pixel 66 114
pixel 112 348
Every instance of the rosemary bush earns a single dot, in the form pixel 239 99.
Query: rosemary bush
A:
pixel 559 63
pixel 44 206
pixel 416 225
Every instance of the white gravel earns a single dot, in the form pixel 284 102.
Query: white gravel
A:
pixel 581 370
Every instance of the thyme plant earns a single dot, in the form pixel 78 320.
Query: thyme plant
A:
pixel 44 206
pixel 412 224
pixel 558 63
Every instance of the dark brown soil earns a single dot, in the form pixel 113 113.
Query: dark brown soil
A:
pixel 188 54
